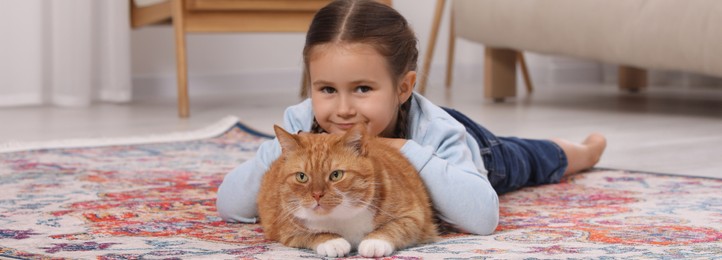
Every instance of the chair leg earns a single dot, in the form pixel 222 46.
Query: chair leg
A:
pixel 432 43
pixel 525 73
pixel 304 84
pixel 181 61
pixel 499 73
pixel 632 79
pixel 450 54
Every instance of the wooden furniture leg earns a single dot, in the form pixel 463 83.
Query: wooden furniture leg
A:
pixel 499 73
pixel 181 63
pixel 450 65
pixel 451 50
pixel 304 84
pixel 632 79
pixel 525 72
pixel 498 95
pixel 432 43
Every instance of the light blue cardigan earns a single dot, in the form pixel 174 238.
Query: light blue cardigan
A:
pixel 446 156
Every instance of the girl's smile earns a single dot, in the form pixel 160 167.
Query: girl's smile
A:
pixel 345 126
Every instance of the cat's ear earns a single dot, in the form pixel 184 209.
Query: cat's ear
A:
pixel 355 138
pixel 287 140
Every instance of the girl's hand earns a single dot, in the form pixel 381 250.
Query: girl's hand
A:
pixel 394 142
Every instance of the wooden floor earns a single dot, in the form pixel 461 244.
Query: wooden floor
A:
pixel 664 129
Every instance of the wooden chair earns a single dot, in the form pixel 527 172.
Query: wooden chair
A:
pixel 191 16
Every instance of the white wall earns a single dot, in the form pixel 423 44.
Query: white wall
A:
pixel 233 52
pixel 21 52
pixel 263 55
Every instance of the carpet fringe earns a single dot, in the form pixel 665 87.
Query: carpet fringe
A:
pixel 212 130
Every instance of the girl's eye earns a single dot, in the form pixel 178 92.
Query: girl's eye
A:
pixel 363 89
pixel 336 175
pixel 301 177
pixel 328 90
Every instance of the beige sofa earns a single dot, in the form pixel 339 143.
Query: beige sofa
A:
pixel 636 34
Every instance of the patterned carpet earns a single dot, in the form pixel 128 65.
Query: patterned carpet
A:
pixel 153 198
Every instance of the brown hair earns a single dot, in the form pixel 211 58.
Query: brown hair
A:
pixel 369 22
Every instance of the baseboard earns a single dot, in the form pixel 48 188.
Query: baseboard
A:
pixel 543 70
pixel 273 80
pixel 22 99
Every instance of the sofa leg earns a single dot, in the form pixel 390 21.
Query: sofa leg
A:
pixel 499 73
pixel 632 79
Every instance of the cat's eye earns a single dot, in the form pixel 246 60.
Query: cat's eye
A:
pixel 301 177
pixel 336 175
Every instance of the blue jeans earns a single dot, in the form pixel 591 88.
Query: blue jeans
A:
pixel 514 163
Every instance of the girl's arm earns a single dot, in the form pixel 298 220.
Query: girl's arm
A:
pixel 238 192
pixel 461 193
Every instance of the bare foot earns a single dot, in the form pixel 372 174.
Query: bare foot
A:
pixel 596 143
pixel 585 155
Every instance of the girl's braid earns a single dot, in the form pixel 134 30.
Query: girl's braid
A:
pixel 402 120
pixel 315 128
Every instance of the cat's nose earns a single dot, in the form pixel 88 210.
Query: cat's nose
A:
pixel 318 195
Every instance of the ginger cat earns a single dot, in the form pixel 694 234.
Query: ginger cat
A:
pixel 334 192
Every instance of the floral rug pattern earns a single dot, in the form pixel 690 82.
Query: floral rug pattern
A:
pixel 157 201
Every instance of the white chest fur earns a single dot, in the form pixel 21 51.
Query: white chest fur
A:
pixel 353 228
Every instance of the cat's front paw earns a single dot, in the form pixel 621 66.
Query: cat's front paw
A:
pixel 375 248
pixel 334 248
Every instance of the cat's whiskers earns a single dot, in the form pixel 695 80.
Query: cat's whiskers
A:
pixel 288 212
pixel 301 229
pixel 354 201
pixel 372 206
pixel 289 209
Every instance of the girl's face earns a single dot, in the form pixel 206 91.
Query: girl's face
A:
pixel 350 84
